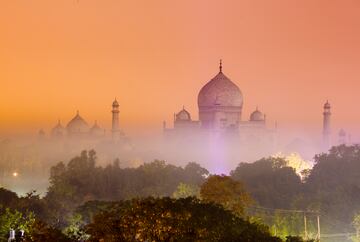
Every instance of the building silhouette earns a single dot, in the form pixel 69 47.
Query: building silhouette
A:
pixel 220 105
pixel 327 126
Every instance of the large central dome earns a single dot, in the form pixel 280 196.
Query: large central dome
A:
pixel 220 103
pixel 220 91
pixel 77 125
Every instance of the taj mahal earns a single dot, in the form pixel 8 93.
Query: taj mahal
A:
pixel 77 128
pixel 223 132
pixel 220 103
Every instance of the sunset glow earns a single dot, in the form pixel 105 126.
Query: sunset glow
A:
pixel 154 56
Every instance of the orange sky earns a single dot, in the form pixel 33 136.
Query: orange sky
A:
pixel 287 56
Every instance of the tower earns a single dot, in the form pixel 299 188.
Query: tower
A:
pixel 342 137
pixel 326 125
pixel 115 130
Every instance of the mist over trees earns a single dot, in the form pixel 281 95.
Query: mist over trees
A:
pixel 264 197
pixel 270 181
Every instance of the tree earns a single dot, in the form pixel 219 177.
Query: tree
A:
pixel 7 198
pixel 32 202
pixel 166 219
pixel 269 181
pixel 75 229
pixel 356 225
pixel 13 219
pixel 72 185
pixel 40 231
pixel 185 190
pixel 88 210
pixel 227 192
pixel 333 186
pixel 195 174
pixel 80 180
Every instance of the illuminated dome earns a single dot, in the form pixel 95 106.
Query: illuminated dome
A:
pixel 77 125
pixel 220 91
pixel 257 116
pixel 183 115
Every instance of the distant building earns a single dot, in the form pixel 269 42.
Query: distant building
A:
pixel 220 104
pixel 220 128
pixel 78 128
pixel 96 132
pixel 115 127
pixel 342 137
pixel 58 131
pixel 326 126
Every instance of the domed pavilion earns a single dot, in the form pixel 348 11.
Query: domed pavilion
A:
pixel 220 103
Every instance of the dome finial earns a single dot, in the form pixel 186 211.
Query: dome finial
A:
pixel 220 66
pixel 77 112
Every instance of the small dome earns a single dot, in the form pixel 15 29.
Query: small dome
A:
pixel 257 116
pixel 77 125
pixel 115 103
pixel 58 130
pixel 327 105
pixel 183 115
pixel 96 130
pixel 220 91
pixel 58 126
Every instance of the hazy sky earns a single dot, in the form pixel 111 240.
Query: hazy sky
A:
pixel 287 56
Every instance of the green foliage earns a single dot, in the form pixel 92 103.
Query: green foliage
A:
pixel 333 187
pixel 356 225
pixel 225 191
pixel 356 222
pixel 89 209
pixel 80 180
pixel 166 219
pixel 13 219
pixel 75 229
pixel 270 182
pixel 286 224
pixel 185 190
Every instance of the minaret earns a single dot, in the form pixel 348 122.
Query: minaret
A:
pixel 326 125
pixel 115 130
pixel 342 137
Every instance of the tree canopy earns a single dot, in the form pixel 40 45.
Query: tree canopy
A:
pixel 82 193
pixel 81 180
pixel 269 181
pixel 229 193
pixel 166 219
